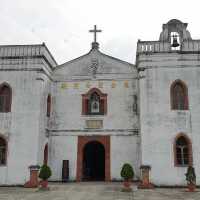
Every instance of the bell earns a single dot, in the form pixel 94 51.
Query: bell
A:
pixel 175 42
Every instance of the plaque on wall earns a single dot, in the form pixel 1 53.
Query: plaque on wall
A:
pixel 64 86
pixel 96 124
pixel 76 85
pixel 126 85
pixel 113 85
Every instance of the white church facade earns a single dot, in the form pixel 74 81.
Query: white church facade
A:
pixel 89 116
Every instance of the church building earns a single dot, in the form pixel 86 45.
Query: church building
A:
pixel 87 117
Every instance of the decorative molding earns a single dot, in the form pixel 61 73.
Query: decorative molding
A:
pixel 93 67
pixel 90 132
pixel 25 58
pixel 101 130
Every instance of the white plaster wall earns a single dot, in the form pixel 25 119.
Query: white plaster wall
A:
pixel 119 122
pixel 45 85
pixel 67 106
pixel 124 149
pixel 25 127
pixel 65 148
pixel 20 126
pixel 3 174
pixel 62 148
pixel 160 124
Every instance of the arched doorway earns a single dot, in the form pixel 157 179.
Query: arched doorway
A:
pixel 94 161
pixel 82 142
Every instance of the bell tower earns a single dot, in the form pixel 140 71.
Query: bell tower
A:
pixel 175 32
pixel 169 78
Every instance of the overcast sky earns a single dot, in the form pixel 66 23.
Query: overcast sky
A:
pixel 63 24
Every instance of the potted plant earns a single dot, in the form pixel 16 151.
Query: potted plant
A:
pixel 191 178
pixel 45 173
pixel 127 174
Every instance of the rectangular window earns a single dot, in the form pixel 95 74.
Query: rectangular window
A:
pixel 2 156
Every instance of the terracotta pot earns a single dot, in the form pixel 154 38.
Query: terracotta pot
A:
pixel 44 183
pixel 191 187
pixel 127 183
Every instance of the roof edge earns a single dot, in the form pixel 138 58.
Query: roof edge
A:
pixel 28 50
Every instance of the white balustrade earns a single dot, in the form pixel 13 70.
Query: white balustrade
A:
pixel 158 46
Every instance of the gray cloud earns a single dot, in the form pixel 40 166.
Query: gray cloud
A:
pixel 63 24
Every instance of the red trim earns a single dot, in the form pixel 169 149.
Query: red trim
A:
pixel 105 105
pixel 49 105
pixel 82 141
pixel 102 102
pixel 189 149
pixel 85 100
pixel 98 91
pixel 8 104
pixel 45 154
pixel 84 104
pixel 186 102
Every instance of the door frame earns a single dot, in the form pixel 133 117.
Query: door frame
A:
pixel 82 141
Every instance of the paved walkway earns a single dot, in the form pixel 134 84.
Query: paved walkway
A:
pixel 94 191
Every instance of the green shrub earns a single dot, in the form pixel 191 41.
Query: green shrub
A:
pixel 127 171
pixel 190 175
pixel 45 172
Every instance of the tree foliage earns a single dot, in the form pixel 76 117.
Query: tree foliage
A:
pixel 45 172
pixel 190 175
pixel 127 171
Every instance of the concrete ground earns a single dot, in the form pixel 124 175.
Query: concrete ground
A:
pixel 94 191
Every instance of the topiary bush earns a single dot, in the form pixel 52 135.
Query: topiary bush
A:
pixel 127 171
pixel 45 172
pixel 190 175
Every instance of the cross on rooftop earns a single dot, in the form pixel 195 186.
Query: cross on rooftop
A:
pixel 95 31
